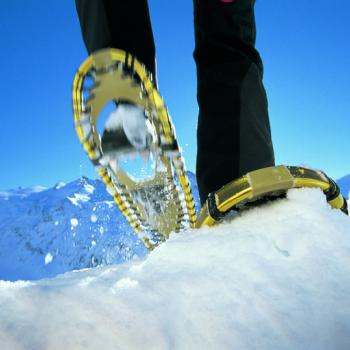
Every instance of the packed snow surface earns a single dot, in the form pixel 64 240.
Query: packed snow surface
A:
pixel 275 277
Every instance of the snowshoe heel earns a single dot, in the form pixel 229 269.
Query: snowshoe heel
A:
pixel 264 185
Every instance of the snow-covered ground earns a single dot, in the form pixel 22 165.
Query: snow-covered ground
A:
pixel 276 277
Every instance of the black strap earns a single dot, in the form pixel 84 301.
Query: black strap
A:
pixel 214 212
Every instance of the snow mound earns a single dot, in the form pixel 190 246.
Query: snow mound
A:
pixel 276 277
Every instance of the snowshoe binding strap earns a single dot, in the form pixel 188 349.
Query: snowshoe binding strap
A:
pixel 264 185
pixel 155 206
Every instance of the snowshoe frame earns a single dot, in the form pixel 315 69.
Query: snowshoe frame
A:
pixel 267 183
pixel 118 75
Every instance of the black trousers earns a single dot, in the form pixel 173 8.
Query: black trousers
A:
pixel 233 134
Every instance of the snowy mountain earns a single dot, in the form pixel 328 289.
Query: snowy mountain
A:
pixel 344 184
pixel 45 232
pixel 276 277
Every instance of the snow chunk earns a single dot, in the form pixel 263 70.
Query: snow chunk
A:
pixel 74 222
pixel 132 120
pixel 48 258
pixel 93 218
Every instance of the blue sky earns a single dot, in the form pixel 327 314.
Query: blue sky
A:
pixel 304 46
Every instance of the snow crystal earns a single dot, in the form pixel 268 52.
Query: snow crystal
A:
pixel 102 230
pixel 74 222
pixel 56 223
pixel 93 218
pixel 93 243
pixel 48 258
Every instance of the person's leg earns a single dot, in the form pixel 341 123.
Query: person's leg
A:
pixel 118 24
pixel 233 132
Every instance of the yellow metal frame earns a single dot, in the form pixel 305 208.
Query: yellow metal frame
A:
pixel 264 182
pixel 110 84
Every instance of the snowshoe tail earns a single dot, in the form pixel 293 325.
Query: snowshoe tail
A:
pixel 265 185
pixel 157 205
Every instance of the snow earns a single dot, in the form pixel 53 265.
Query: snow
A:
pixel 89 188
pixel 79 197
pixel 59 185
pixel 48 258
pixel 38 189
pixel 276 277
pixel 110 204
pixel 21 192
pixel 93 218
pixel 74 222
pixel 132 119
pixel 33 224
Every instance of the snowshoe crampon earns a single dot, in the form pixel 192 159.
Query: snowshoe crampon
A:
pixel 264 185
pixel 161 202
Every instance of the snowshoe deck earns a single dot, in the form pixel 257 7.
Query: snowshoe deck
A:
pixel 155 206
pixel 265 185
